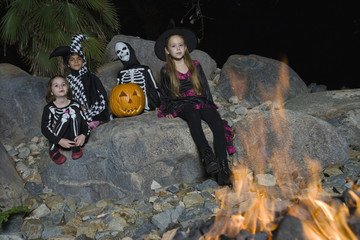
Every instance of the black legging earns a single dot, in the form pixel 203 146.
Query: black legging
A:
pixel 193 118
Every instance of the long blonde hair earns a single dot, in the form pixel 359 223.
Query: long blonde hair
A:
pixel 171 69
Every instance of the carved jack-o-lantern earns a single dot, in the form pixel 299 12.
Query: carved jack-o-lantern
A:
pixel 127 100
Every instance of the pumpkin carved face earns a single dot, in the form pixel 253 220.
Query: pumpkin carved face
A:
pixel 127 100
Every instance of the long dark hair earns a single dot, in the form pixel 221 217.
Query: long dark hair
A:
pixel 49 97
pixel 174 81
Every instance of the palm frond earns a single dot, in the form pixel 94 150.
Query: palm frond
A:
pixel 37 27
pixel 71 11
pixel 11 25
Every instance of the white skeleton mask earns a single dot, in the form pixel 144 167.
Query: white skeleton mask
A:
pixel 122 51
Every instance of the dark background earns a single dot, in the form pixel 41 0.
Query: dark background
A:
pixel 321 39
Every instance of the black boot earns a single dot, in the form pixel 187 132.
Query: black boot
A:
pixel 208 157
pixel 225 174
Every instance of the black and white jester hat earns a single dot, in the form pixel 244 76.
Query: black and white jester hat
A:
pixel 75 47
pixel 188 35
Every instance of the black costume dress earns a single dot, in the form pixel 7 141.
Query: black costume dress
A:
pixel 67 122
pixel 170 104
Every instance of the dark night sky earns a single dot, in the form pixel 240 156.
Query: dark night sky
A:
pixel 321 38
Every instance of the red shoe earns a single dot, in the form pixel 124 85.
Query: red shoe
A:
pixel 76 153
pixel 58 158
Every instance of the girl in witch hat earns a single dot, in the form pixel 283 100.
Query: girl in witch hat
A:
pixel 87 88
pixel 185 93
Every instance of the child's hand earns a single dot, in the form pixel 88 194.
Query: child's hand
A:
pixel 80 140
pixel 170 116
pixel 66 143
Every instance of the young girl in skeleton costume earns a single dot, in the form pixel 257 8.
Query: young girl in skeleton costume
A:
pixel 134 72
pixel 185 93
pixel 63 121
pixel 86 87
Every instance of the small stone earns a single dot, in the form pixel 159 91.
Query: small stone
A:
pixel 155 185
pixel 33 147
pixel 85 218
pixel 241 110
pixel 24 152
pixel 152 199
pixel 209 183
pixel 8 147
pixel 35 139
pixel 47 190
pixel 173 189
pixel 34 188
pixel 332 171
pixel 265 179
pixel 193 199
pixel 41 211
pixel 234 100
pixel 13 152
pixel 33 229
pixel 20 146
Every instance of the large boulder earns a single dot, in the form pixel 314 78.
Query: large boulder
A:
pixel 282 141
pixel 22 101
pixel 144 50
pixel 258 79
pixel 10 71
pixel 340 108
pixel 124 156
pixel 12 192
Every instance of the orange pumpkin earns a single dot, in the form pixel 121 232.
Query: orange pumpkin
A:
pixel 127 100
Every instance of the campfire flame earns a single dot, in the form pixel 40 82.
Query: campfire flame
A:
pixel 255 208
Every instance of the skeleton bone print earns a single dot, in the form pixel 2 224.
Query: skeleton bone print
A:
pixel 134 72
pixel 134 76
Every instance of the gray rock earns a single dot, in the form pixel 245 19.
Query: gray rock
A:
pixel 341 108
pixel 283 140
pixel 13 153
pixel 13 236
pixel 257 79
pixel 10 71
pixel 209 183
pixel 21 115
pixel 265 179
pixel 24 152
pixel 33 228
pixel 34 188
pixel 50 231
pixel 124 161
pixel 40 211
pixel 12 192
pixel 162 220
pixel 173 189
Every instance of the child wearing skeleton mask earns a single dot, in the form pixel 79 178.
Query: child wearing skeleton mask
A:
pixel 185 93
pixel 134 72
pixel 63 122
pixel 87 88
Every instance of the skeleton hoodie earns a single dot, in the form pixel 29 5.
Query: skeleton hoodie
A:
pixel 134 72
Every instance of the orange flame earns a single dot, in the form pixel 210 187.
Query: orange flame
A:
pixel 251 206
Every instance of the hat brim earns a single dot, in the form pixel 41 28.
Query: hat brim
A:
pixel 62 51
pixel 188 35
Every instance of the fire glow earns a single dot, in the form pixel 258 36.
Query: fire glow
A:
pixel 255 208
